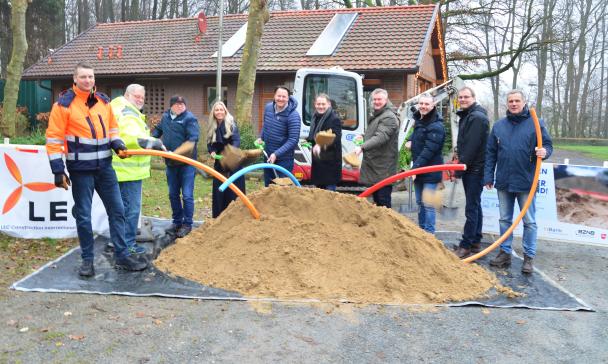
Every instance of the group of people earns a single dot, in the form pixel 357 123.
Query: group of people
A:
pixel 85 126
pixel 504 157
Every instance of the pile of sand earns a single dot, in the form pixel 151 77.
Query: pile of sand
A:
pixel 315 244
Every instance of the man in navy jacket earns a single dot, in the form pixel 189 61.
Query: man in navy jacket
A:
pixel 512 152
pixel 179 131
pixel 281 131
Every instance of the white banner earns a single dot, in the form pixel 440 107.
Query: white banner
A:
pixel 571 205
pixel 31 206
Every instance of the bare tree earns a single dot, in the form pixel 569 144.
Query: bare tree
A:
pixel 258 16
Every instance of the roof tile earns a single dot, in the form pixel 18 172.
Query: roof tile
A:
pixel 380 38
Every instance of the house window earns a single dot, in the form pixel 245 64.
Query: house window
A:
pixel 155 99
pixel 116 92
pixel 212 94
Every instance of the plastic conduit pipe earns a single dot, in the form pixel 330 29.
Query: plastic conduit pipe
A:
pixel 531 194
pixel 412 172
pixel 253 167
pixel 207 169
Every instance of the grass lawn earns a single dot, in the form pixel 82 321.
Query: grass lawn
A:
pixel 155 199
pixel 19 257
pixel 593 151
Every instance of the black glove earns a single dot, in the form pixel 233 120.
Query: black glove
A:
pixel 62 180
pixel 151 143
pixel 121 147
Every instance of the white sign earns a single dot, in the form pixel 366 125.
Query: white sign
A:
pixel 571 205
pixel 31 207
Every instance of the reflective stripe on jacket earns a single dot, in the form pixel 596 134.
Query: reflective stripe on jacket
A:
pixel 84 125
pixel 132 125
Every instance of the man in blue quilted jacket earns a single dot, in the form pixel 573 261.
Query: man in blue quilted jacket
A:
pixel 280 132
pixel 512 152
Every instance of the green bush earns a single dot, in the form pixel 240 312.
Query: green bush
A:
pixel 36 137
pixel 248 136
pixel 405 155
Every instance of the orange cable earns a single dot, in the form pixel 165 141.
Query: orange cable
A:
pixel 199 165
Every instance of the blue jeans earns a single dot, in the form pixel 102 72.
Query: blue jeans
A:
pixel 269 174
pixel 382 197
pixel 426 213
pixel 181 189
pixel 130 191
pixel 473 186
pixel 506 202
pixel 105 183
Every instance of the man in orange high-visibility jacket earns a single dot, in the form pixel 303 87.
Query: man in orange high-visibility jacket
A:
pixel 83 124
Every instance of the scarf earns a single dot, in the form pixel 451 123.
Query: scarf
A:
pixel 317 123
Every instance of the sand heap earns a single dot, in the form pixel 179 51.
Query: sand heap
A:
pixel 315 244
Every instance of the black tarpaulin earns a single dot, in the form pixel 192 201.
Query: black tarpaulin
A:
pixel 61 275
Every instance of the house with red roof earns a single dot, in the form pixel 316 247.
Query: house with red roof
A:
pixel 398 48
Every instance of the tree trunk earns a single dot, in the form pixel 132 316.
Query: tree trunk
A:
pixel 134 12
pixel 154 9
pixel 15 67
pixel 546 34
pixel 83 15
pixel 258 16
pixel 98 11
pixel 163 9
pixel 124 4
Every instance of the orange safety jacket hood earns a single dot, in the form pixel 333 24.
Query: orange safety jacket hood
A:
pixel 84 125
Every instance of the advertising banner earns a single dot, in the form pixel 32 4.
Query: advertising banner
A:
pixel 31 207
pixel 571 205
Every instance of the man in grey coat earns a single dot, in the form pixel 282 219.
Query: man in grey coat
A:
pixel 380 147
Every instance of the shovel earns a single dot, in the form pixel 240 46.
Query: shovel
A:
pixel 277 180
pixel 450 211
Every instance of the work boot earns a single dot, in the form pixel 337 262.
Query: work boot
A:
pixel 527 266
pixel 109 247
pixel 462 252
pixel 131 263
pixel 183 231
pixel 475 248
pixel 87 269
pixel 502 260
pixel 172 230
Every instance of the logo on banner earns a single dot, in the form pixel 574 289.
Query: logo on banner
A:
pixel 14 197
pixel 584 232
pixel 603 236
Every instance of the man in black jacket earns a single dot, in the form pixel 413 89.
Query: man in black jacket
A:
pixel 473 130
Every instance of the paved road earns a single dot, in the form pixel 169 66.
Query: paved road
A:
pixel 116 329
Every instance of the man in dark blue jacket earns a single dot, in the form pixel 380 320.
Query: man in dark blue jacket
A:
pixel 426 143
pixel 473 128
pixel 512 152
pixel 281 131
pixel 179 131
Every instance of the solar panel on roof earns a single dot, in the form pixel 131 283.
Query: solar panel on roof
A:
pixel 235 42
pixel 332 35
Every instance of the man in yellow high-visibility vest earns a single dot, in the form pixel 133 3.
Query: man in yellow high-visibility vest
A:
pixel 132 171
